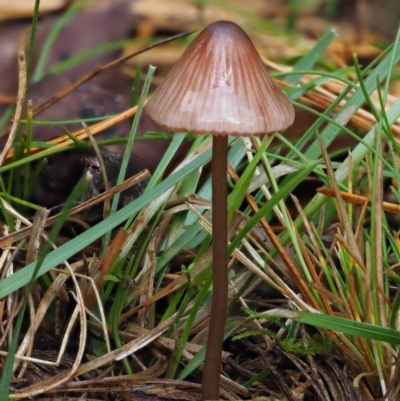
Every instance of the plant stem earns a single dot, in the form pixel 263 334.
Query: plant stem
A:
pixel 212 363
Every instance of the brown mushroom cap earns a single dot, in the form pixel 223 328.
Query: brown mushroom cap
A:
pixel 220 86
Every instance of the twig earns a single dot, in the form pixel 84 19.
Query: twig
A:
pixel 64 92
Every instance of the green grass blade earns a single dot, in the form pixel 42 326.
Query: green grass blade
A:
pixel 128 150
pixel 131 139
pixel 239 192
pixel 166 159
pixel 350 327
pixel 85 55
pixel 32 39
pixel 312 57
pixel 63 21
pixel 198 301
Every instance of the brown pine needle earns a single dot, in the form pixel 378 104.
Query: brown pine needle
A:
pixel 359 199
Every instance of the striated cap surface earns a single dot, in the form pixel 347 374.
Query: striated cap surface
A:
pixel 220 86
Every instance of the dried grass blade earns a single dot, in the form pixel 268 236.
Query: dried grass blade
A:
pixel 56 381
pixel 147 282
pixel 20 234
pixel 37 230
pixel 342 214
pixel 104 267
pixel 306 256
pixel 20 100
pixel 96 149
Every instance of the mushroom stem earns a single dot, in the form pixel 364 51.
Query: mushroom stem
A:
pixel 219 304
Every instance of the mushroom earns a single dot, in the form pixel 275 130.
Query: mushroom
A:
pixel 219 86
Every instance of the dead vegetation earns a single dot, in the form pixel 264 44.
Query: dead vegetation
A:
pixel 120 304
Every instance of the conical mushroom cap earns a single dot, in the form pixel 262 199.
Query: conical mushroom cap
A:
pixel 220 86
